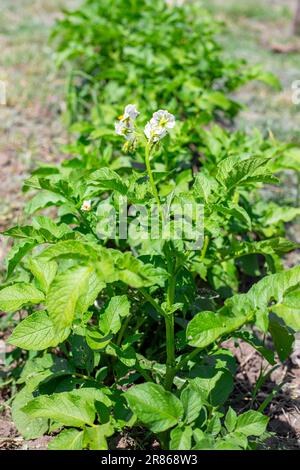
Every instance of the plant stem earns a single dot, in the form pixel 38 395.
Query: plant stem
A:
pixel 204 248
pixel 170 345
pixel 85 377
pixel 153 302
pixel 122 330
pixel 152 182
pixel 236 197
pixel 169 317
pixel 169 321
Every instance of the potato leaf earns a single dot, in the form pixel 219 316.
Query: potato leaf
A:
pixel 158 409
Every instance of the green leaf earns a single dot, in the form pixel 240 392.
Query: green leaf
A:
pixel 218 99
pixel 70 249
pixel 94 395
pixel 289 309
pixel 97 340
pixel 135 273
pixel 66 408
pixel 29 427
pixel 214 385
pixel 42 200
pixel 36 332
pixel 192 403
pixel 214 425
pixel 207 327
pixel 282 338
pixel 270 79
pixel 105 178
pixel 58 231
pixel 256 301
pixel 82 355
pixel 43 230
pixel 27 232
pixel 235 211
pixel 14 297
pixel 110 320
pixel 64 293
pixel 251 339
pixel 230 419
pixel 275 214
pixel 236 440
pixel 181 438
pixel 43 271
pixel 68 439
pixel 17 252
pixel 251 423
pixel 204 186
pixel 126 355
pixel 89 294
pixel 234 172
pixel 95 438
pixel 155 407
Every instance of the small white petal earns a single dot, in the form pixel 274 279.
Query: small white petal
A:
pixel 130 112
pixel 124 128
pixel 147 130
pixel 86 206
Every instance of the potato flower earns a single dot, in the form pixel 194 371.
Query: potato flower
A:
pixel 130 112
pixel 125 125
pixel 158 125
pixel 86 206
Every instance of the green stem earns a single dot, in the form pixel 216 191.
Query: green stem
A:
pixel 204 248
pixel 170 344
pixel 85 377
pixel 153 302
pixel 122 330
pixel 169 317
pixel 169 321
pixel 236 197
pixel 152 182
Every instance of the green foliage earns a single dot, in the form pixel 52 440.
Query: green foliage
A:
pixel 154 406
pixel 145 50
pixel 127 331
pixel 105 302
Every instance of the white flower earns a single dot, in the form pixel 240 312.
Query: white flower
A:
pixel 124 128
pixel 163 118
pixel 125 125
pixel 154 133
pixel 158 125
pixel 130 112
pixel 86 206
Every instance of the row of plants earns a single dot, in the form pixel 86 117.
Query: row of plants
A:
pixel 115 325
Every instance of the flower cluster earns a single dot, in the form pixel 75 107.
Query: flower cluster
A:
pixel 158 125
pixel 155 129
pixel 125 125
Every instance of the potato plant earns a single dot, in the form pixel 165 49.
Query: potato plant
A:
pixel 150 53
pixel 126 333
pixel 155 54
